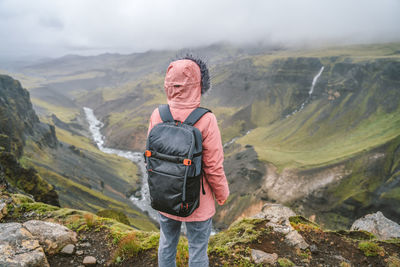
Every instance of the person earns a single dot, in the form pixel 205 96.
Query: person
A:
pixel 185 81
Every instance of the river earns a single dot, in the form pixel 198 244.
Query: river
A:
pixel 143 202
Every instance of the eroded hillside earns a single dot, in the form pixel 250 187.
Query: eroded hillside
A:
pixel 55 171
pixel 330 149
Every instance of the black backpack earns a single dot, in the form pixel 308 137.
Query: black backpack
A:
pixel 173 159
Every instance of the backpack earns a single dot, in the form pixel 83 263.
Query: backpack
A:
pixel 173 159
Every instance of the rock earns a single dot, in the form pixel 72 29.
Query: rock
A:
pixel 13 232
pixel 283 228
pixel 275 213
pixel 278 219
pixel 79 252
pixel 313 248
pixel 51 236
pixel 3 210
pixel 295 239
pixel 89 260
pixel 68 249
pixel 259 256
pixel 341 259
pixel 379 225
pixel 19 248
pixel 5 199
pixel 85 245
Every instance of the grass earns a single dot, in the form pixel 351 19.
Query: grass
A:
pixel 116 215
pixel 289 144
pixel 76 140
pixel 182 253
pixel 27 81
pixel 232 131
pixel 243 231
pixel 123 167
pixel 371 249
pixel 392 194
pixel 305 140
pixel 131 243
pixel 357 235
pixel 283 262
pixel 128 247
pixel 81 76
pixel 63 113
pixel 355 52
pixel 301 223
pixel 76 195
pixel 79 220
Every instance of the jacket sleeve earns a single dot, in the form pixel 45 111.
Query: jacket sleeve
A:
pixel 154 116
pixel 213 158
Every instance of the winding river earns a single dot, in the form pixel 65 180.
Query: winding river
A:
pixel 143 202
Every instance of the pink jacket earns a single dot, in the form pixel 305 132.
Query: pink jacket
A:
pixel 182 86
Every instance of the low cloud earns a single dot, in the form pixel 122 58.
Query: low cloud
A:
pixel 55 28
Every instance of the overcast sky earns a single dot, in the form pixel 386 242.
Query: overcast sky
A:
pixel 59 27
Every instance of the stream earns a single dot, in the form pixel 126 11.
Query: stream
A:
pixel 143 202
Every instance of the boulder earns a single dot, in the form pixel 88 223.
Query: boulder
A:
pixel 275 213
pixel 19 248
pixel 379 225
pixel 278 219
pixel 51 236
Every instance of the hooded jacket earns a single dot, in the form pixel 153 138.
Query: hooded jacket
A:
pixel 183 88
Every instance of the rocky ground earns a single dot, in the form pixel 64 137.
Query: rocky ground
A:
pixel 36 234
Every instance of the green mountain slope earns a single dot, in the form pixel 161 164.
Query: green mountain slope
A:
pixel 341 143
pixel 19 125
pixel 55 171
pixel 333 153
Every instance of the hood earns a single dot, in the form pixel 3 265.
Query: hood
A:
pixel 183 84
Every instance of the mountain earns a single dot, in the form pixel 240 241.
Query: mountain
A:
pixel 315 129
pixel 333 153
pixel 33 161
pixel 19 125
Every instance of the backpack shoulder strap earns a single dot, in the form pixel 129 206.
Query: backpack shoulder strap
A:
pixel 195 116
pixel 165 113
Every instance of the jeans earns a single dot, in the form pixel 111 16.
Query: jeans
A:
pixel 198 234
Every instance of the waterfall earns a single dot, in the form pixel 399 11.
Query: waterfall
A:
pixel 137 157
pixel 314 82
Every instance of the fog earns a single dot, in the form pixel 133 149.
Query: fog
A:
pixel 55 28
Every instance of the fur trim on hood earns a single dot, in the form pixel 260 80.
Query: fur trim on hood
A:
pixel 205 76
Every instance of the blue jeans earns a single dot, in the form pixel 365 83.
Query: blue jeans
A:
pixel 198 234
